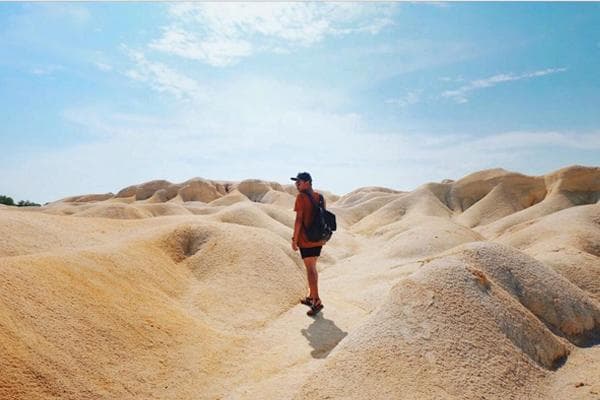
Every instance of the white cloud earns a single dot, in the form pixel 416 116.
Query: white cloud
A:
pixel 409 98
pixel 162 78
pixel 460 95
pixel 269 134
pixel 450 79
pixel 217 51
pixel 335 148
pixel 220 34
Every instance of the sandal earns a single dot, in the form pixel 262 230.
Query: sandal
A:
pixel 307 301
pixel 315 309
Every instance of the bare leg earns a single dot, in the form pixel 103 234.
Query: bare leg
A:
pixel 313 277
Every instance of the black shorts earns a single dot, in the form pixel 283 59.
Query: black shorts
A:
pixel 310 251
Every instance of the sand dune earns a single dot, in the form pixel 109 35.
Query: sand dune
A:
pixel 90 324
pixel 483 287
pixel 568 240
pixel 446 331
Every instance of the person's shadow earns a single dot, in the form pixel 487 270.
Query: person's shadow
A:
pixel 323 335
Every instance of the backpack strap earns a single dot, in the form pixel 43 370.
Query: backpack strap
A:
pixel 312 200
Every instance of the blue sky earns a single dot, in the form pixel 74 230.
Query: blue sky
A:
pixel 98 96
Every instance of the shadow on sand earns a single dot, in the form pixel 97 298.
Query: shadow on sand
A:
pixel 323 335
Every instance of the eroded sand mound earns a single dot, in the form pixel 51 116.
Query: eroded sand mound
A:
pixel 102 324
pixel 567 240
pixel 230 274
pixel 133 202
pixel 482 287
pixel 473 324
pixel 160 310
pixel 200 190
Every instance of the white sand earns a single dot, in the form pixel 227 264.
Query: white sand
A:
pixel 486 287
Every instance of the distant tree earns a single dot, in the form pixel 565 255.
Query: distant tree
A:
pixel 6 200
pixel 22 203
pixel 27 203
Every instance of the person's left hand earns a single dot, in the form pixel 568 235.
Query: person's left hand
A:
pixel 294 246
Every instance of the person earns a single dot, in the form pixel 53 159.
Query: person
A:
pixel 310 251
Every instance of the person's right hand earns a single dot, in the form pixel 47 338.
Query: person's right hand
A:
pixel 294 246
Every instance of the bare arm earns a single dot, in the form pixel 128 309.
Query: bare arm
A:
pixel 297 229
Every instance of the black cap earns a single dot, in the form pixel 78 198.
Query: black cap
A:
pixel 302 176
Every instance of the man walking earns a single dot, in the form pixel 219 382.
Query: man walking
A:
pixel 310 251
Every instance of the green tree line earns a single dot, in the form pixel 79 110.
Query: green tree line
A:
pixel 22 203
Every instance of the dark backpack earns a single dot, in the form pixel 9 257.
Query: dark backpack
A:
pixel 323 223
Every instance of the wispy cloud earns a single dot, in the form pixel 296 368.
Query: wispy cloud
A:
pixel 103 66
pixel 260 141
pixel 460 95
pixel 222 34
pixel 217 51
pixel 451 79
pixel 47 70
pixel 135 148
pixel 100 61
pixel 409 98
pixel 161 77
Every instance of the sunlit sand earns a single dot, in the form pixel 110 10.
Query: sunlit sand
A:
pixel 484 287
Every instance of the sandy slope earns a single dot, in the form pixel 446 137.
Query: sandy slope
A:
pixel 486 287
